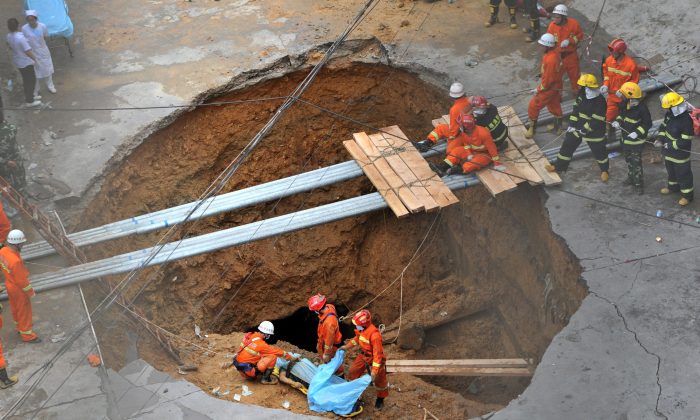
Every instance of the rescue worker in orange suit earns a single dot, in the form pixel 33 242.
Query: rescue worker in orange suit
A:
pixel 548 93
pixel 471 151
pixel 486 115
pixel 618 69
pixel 255 357
pixel 19 290
pixel 675 136
pixel 371 358
pixel 5 381
pixel 328 332
pixel 5 225
pixel 494 6
pixel 587 122
pixel 567 34
pixel 462 104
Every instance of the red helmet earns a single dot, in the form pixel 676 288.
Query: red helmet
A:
pixel 479 102
pixel 467 121
pixel 362 318
pixel 617 45
pixel 317 302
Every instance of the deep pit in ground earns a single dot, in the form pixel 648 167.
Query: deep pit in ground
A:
pixel 490 281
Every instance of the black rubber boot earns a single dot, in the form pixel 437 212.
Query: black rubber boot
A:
pixel 513 22
pixel 502 145
pixel 493 18
pixel 534 30
pixel 268 379
pixel 5 381
pixel 441 168
pixel 379 404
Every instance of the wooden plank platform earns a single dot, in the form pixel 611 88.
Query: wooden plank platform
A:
pixel 529 149
pixel 399 172
pixel 462 367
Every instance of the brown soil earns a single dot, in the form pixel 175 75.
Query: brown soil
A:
pixel 496 255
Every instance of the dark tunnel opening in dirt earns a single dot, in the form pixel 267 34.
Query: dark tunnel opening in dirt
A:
pixel 490 280
pixel 299 328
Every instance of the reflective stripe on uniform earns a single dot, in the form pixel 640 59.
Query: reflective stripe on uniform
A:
pixel 634 142
pixel 686 137
pixel 375 364
pixel 641 130
pixel 620 72
pixel 327 347
pixel 674 160
pixel 594 140
pixel 672 183
pixel 28 288
pixel 30 332
pixel 482 147
pixel 562 157
pixel 687 190
pixel 495 158
pixel 584 116
pixel 251 351
pixel 602 161
pixel 451 165
pixel 631 120
pixel 364 340
pixel 354 343
pixel 598 117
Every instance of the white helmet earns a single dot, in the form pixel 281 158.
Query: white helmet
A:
pixel 266 327
pixel 16 237
pixel 456 90
pixel 547 40
pixel 561 9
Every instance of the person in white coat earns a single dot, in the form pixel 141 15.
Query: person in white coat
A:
pixel 36 34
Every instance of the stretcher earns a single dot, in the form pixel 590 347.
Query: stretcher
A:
pixel 54 14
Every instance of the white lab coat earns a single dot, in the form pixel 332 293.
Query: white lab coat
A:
pixel 36 37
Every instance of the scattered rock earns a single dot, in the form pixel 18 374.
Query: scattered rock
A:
pixel 405 23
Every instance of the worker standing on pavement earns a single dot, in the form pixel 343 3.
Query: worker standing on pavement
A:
pixel 548 93
pixel 634 123
pixel 19 290
pixel 371 359
pixel 5 225
pixel 618 69
pixel 494 5
pixel 328 332
pixel 567 34
pixel 534 14
pixel 675 135
pixel 5 381
pixel 486 115
pixel 587 122
pixel 255 357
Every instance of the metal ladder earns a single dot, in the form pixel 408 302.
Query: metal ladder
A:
pixel 57 238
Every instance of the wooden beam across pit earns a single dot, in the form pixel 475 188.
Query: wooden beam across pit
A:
pixel 462 367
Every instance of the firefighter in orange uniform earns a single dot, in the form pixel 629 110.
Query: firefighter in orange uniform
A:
pixel 328 332
pixel 19 290
pixel 462 104
pixel 618 69
pixel 4 225
pixel 471 150
pixel 256 357
pixel 371 358
pixel 5 381
pixel 567 33
pixel 548 93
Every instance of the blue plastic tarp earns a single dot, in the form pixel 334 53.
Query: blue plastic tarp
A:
pixel 54 14
pixel 326 394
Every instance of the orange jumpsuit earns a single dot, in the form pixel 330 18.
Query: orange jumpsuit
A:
pixel 463 104
pixel 571 30
pixel 549 91
pixel 479 144
pixel 615 74
pixel 371 359
pixel 255 355
pixel 329 336
pixel 4 224
pixel 19 290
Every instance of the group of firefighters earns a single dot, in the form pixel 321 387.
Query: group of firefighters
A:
pixel 256 358
pixel 476 133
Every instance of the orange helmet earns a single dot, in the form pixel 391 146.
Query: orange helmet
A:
pixel 617 45
pixel 479 102
pixel 466 121
pixel 362 319
pixel 317 302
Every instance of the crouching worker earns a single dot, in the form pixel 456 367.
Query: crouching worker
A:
pixel 486 115
pixel 255 357
pixel 471 150
pixel 371 357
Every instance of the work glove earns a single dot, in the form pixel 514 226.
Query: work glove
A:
pixel 615 124
pixel 564 43
pixel 469 158
pixel 603 89
pixel 374 376
pixel 325 359
pixel 534 91
pixel 658 144
pixel 499 167
pixel 633 135
pixel 570 129
pixel 31 293
pixel 423 145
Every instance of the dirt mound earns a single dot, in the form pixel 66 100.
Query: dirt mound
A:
pixel 491 268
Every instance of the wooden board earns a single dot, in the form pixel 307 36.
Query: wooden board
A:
pixel 391 198
pixel 437 189
pixel 397 163
pixel 445 119
pixel 520 168
pixel 458 371
pixel 474 363
pixel 494 181
pixel 527 147
pixel 407 196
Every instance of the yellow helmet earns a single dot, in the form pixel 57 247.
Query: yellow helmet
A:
pixel 588 80
pixel 631 90
pixel 671 99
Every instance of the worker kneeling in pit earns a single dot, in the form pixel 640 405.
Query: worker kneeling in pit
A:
pixel 471 150
pixel 371 358
pixel 486 115
pixel 255 357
